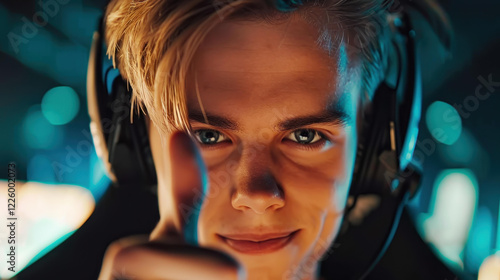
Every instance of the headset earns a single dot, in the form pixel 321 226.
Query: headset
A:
pixel 385 148
pixel 123 145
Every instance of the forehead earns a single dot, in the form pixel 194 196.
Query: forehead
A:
pixel 255 65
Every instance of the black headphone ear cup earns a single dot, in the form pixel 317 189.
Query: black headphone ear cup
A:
pixel 122 146
pixel 374 139
pixel 142 148
pixel 128 143
pixel 390 132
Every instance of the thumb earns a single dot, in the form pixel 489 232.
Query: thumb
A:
pixel 188 184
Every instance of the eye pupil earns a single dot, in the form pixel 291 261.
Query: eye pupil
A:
pixel 304 136
pixel 209 136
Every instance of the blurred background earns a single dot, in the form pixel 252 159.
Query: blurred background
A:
pixel 45 129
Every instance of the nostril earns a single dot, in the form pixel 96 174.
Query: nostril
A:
pixel 258 203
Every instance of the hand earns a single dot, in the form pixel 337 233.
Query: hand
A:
pixel 166 254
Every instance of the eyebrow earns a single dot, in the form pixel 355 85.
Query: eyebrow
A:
pixel 329 116
pixel 214 120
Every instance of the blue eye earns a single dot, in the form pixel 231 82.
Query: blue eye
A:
pixel 209 136
pixel 305 136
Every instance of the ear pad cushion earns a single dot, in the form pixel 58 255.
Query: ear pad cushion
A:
pixel 122 146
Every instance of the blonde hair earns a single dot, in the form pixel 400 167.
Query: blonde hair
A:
pixel 152 42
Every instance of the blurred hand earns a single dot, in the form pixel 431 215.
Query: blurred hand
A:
pixel 166 254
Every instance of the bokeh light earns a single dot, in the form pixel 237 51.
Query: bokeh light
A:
pixel 444 122
pixel 38 132
pixel 480 239
pixel 451 214
pixel 99 181
pixel 60 105
pixel 464 151
pixel 50 214
pixel 490 268
pixel 498 230
pixel 40 169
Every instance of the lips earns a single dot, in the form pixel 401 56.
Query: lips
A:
pixel 258 243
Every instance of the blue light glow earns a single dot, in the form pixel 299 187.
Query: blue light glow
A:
pixel 452 209
pixel 480 239
pixel 409 147
pixel 40 169
pixel 498 230
pixel 444 122
pixel 4 18
pixel 67 61
pixel 99 181
pixel 38 132
pixel 462 151
pixel 60 105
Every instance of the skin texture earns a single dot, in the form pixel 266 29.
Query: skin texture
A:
pixel 258 83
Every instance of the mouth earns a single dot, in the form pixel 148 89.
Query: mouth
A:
pixel 258 244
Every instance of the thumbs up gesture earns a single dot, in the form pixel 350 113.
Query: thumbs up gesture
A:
pixel 170 252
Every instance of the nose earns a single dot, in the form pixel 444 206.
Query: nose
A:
pixel 256 189
pixel 258 201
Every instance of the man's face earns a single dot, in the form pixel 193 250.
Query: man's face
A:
pixel 279 145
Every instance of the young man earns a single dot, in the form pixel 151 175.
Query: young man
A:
pixel 272 95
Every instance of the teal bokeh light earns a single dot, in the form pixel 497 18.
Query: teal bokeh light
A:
pixel 452 207
pixel 463 151
pixel 60 105
pixel 38 132
pixel 444 122
pixel 99 182
pixel 40 169
pixel 480 239
pixel 498 230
